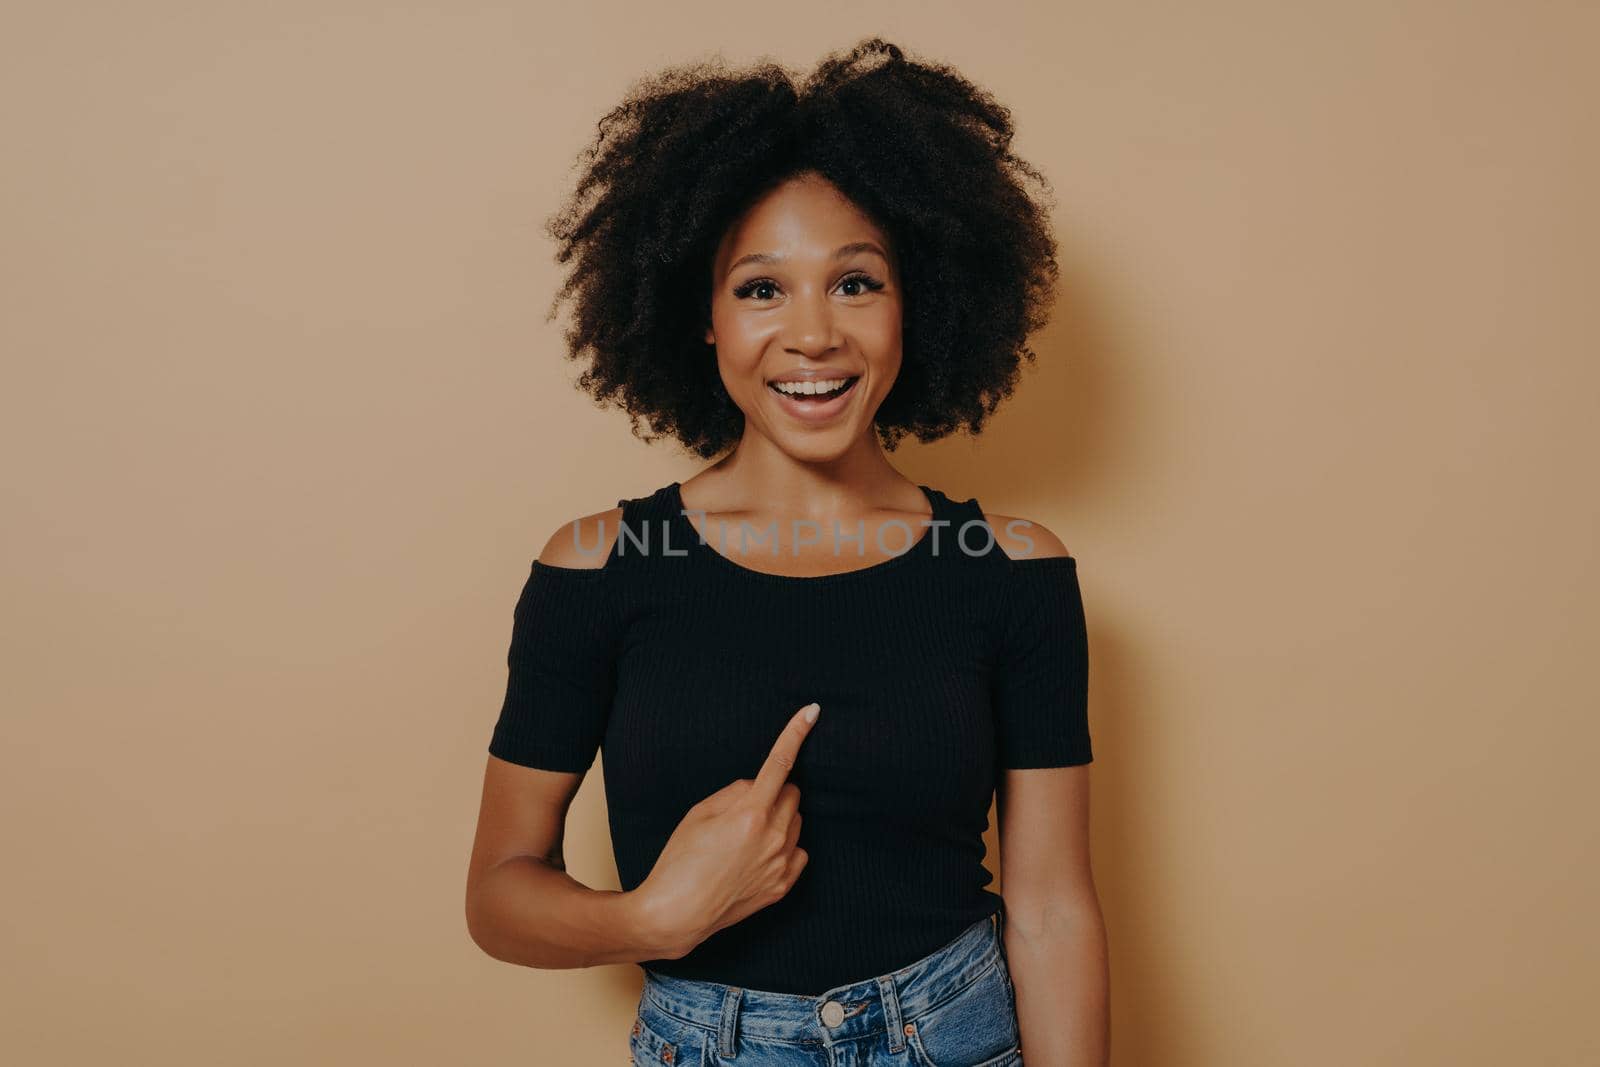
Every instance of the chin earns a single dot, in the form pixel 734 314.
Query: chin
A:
pixel 821 447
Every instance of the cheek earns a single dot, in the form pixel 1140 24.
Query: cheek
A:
pixel 879 327
pixel 742 338
pixel 738 348
pixel 739 366
pixel 879 337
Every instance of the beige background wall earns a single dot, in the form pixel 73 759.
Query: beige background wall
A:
pixel 284 425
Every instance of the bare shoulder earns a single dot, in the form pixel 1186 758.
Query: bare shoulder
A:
pixel 1023 538
pixel 585 542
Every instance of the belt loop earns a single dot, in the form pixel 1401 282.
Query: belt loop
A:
pixel 999 916
pixel 729 1028
pixel 891 1014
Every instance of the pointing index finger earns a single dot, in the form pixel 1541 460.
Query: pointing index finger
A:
pixel 780 761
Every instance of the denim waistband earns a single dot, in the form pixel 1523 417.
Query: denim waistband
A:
pixel 869 1006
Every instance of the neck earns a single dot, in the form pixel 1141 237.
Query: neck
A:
pixel 758 476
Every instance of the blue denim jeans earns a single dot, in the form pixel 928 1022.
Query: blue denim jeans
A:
pixel 953 1008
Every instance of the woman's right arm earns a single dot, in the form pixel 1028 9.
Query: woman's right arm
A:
pixel 522 905
pixel 734 852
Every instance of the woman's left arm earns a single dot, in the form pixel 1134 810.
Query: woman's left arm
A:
pixel 1055 936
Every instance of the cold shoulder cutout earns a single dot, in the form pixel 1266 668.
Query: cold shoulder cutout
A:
pixel 584 543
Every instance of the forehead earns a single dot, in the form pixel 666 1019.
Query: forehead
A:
pixel 804 216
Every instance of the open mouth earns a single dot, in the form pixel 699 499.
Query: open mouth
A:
pixel 797 391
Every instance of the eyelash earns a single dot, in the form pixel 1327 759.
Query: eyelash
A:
pixel 872 284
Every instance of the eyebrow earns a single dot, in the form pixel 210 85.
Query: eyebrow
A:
pixel 840 253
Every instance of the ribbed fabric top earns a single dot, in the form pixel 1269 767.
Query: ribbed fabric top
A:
pixel 935 669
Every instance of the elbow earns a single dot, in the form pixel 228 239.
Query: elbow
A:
pixel 477 929
pixel 483 931
pixel 497 941
pixel 1066 913
pixel 493 946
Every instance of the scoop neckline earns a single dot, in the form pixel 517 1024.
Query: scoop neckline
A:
pixel 917 550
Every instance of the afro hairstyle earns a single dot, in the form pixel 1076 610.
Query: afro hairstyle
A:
pixel 915 146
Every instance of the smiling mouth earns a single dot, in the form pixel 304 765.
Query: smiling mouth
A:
pixel 815 398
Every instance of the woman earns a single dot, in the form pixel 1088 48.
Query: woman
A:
pixel 799 276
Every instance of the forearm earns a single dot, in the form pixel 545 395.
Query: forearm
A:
pixel 528 912
pixel 1059 965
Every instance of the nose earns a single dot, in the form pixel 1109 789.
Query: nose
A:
pixel 810 327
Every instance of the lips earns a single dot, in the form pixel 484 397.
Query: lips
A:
pixel 812 408
pixel 844 382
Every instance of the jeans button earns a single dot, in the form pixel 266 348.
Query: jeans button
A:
pixel 833 1013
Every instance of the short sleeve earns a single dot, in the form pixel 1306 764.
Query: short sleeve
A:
pixel 561 670
pixel 1040 686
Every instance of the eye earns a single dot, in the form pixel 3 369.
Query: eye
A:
pixel 865 281
pixel 749 288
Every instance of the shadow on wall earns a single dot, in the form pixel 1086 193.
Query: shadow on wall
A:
pixel 1043 456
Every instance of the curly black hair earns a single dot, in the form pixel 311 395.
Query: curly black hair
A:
pixel 917 147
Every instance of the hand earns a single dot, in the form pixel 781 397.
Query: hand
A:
pixel 734 852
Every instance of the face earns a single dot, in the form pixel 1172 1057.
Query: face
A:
pixel 805 295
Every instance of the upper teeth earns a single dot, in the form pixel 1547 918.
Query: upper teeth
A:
pixel 826 386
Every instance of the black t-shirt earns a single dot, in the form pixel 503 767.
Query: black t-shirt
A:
pixel 935 668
